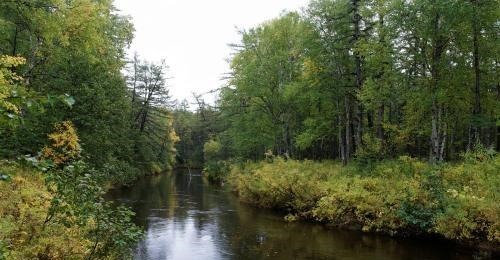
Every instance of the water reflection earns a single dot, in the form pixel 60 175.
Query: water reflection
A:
pixel 185 218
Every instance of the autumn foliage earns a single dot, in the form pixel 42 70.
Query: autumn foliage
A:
pixel 64 146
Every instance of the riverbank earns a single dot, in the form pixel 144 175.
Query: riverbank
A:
pixel 60 214
pixel 25 233
pixel 402 197
pixel 185 217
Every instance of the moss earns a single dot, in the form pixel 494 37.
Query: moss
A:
pixel 399 197
pixel 24 204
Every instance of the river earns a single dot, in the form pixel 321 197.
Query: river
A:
pixel 186 218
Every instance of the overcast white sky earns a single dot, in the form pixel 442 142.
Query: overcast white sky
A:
pixel 193 35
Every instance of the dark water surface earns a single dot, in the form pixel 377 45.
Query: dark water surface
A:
pixel 186 218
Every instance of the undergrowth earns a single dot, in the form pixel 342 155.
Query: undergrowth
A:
pixel 404 196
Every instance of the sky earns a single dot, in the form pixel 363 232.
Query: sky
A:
pixel 193 36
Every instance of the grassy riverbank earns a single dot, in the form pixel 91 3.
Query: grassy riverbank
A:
pixel 24 207
pixel 398 197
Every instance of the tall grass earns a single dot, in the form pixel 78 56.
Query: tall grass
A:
pixel 399 197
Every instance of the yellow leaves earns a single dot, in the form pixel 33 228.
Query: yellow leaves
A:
pixel 65 146
pixel 8 81
pixel 211 149
pixel 171 134
pixel 11 61
pixel 310 69
pixel 174 137
pixel 24 204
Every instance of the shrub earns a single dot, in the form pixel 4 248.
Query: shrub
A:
pixel 77 201
pixel 217 171
pixel 372 151
pixel 403 196
pixel 23 213
pixel 215 168
pixel 68 209
pixel 64 147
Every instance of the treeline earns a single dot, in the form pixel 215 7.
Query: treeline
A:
pixel 75 51
pixel 365 79
pixel 195 123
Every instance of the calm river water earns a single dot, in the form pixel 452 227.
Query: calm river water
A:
pixel 186 218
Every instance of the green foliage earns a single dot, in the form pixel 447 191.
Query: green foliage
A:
pixel 259 106
pixel 78 201
pixel 194 129
pixel 74 54
pixel 2 251
pixel 154 136
pixel 479 154
pixel 9 85
pixel 471 210
pixel 288 185
pixel 419 209
pixel 215 168
pixel 404 196
pixel 61 65
pixel 70 207
pixel 23 212
pixel 365 80
pixel 211 150
pixel 372 151
pixel 216 171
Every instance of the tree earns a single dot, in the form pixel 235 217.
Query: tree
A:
pixel 409 77
pixel 152 122
pixel 261 89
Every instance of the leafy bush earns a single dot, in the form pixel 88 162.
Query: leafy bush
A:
pixel 9 85
pixel 78 201
pixel 288 185
pixel 215 168
pixel 42 214
pixel 23 214
pixel 117 172
pixel 217 171
pixel 372 151
pixel 65 146
pixel 471 209
pixel 479 153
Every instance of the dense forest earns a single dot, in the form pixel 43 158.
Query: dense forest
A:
pixel 382 114
pixel 72 125
pixel 397 102
pixel 351 79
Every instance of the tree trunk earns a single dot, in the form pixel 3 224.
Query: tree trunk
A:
pixel 134 91
pixel 348 135
pixel 477 80
pixel 438 44
pixel 443 144
pixel 14 42
pixel 143 120
pixel 342 150
pixel 380 120
pixel 434 133
pixel 358 71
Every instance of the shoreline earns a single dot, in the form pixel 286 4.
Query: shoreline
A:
pixel 492 250
pixel 398 206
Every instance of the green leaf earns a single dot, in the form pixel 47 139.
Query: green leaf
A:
pixel 68 100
